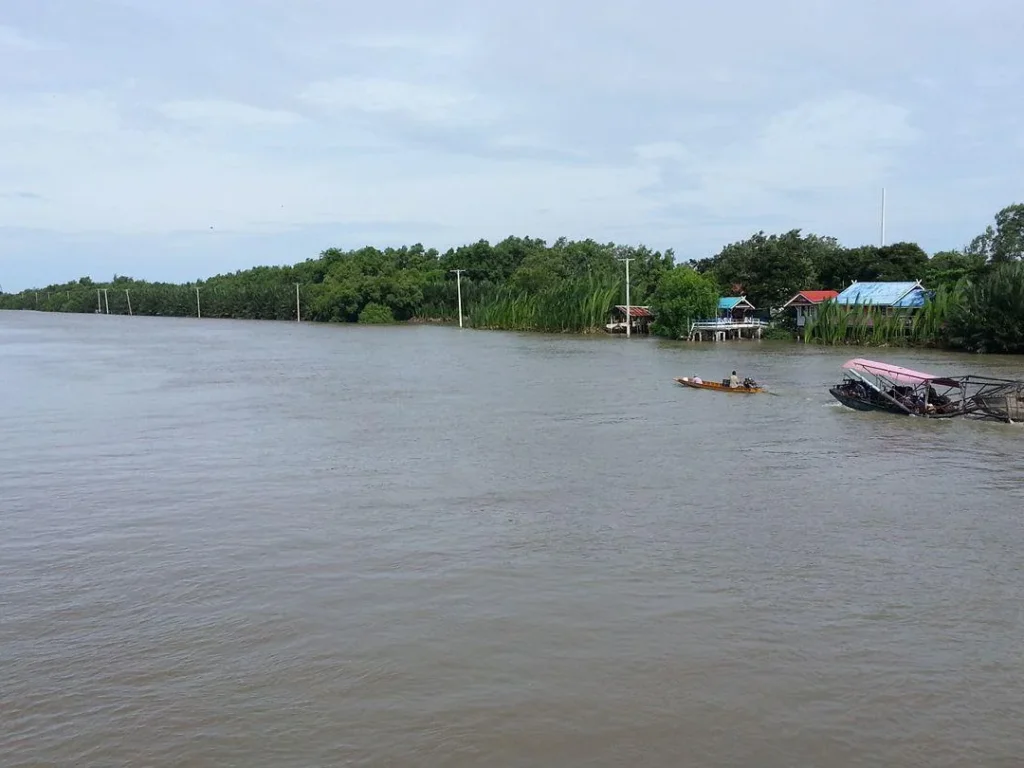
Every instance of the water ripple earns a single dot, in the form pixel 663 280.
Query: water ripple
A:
pixel 275 544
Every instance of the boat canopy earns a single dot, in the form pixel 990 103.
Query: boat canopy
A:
pixel 900 376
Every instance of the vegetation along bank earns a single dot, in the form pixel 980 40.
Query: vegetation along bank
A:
pixel 974 298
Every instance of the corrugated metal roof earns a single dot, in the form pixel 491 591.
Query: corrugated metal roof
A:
pixel 731 302
pixel 914 299
pixel 811 297
pixel 819 296
pixel 879 294
pixel 635 311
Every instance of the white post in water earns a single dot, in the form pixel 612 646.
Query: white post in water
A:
pixel 99 301
pixel 458 282
pixel 199 311
pixel 298 306
pixel 106 300
pixel 629 319
pixel 882 239
pixel 128 296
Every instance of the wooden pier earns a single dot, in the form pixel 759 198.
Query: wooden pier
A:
pixel 727 329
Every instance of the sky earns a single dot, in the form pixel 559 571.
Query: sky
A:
pixel 177 140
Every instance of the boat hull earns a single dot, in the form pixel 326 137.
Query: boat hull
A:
pixel 716 387
pixel 873 402
pixel 860 404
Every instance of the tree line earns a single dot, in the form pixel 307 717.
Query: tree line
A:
pixel 524 283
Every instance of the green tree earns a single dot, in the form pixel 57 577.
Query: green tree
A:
pixel 682 296
pixel 539 271
pixel 1008 243
pixel 839 267
pixel 947 268
pixel 899 262
pixel 1004 242
pixel 570 285
pixel 645 271
pixel 377 314
pixel 990 315
pixel 770 268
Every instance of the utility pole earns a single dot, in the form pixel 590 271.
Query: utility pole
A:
pixel 128 296
pixel 629 319
pixel 99 302
pixel 199 312
pixel 106 300
pixel 882 239
pixel 298 306
pixel 458 282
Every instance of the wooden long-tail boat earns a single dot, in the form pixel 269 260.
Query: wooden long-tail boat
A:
pixel 715 386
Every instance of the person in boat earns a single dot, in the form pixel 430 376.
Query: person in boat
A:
pixel 851 387
pixel 934 398
pixel 734 380
pixel 697 379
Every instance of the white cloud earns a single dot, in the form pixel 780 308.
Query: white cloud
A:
pixel 663 150
pixel 673 125
pixel 98 173
pixel 420 45
pixel 844 141
pixel 15 40
pixel 842 144
pixel 226 113
pixel 416 101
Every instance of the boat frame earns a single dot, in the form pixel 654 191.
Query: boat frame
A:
pixel 873 386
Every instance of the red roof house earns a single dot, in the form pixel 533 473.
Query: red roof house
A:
pixel 810 298
pixel 806 304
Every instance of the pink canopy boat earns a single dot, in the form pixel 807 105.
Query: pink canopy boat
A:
pixel 897 375
pixel 875 386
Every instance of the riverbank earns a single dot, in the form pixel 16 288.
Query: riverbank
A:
pixel 987 317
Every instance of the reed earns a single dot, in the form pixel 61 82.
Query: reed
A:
pixel 871 326
pixel 930 322
pixel 572 306
pixel 828 326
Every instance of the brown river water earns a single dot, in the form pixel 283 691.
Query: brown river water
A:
pixel 268 544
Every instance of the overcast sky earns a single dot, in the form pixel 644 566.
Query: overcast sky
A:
pixel 175 140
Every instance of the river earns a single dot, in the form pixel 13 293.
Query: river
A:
pixel 289 544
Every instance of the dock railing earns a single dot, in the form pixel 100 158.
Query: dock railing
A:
pixel 723 324
pixel 729 322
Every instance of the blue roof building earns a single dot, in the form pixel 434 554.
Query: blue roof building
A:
pixel 897 295
pixel 733 306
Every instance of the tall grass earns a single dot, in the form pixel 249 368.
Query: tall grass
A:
pixel 879 327
pixel 572 306
pixel 930 322
pixel 441 299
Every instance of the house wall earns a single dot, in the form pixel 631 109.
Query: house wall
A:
pixel 737 313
